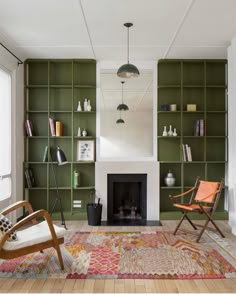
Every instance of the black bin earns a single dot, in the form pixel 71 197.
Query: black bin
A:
pixel 94 214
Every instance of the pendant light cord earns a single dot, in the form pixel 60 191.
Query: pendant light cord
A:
pixel 128 45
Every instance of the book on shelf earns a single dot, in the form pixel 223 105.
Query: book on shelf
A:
pixel 29 128
pixel 52 127
pixel 199 127
pixel 29 178
pixel 45 155
pixel 187 153
pixel 201 131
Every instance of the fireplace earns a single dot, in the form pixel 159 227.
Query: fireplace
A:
pixel 127 198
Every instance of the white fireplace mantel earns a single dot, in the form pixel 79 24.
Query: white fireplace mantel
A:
pixel 102 169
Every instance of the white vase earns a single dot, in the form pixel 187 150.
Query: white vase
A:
pixel 175 133
pixel 85 104
pixel 84 133
pixel 164 134
pixel 79 132
pixel 89 107
pixel 79 106
pixel 170 132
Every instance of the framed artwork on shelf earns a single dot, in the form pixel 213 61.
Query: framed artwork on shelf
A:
pixel 85 150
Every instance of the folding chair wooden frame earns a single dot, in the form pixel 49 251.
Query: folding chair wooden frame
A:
pixel 204 199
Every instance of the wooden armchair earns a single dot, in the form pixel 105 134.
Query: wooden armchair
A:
pixel 36 237
pixel 204 199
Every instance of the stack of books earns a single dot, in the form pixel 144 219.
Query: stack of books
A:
pixel 187 154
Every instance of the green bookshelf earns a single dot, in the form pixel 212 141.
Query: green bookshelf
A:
pixel 52 90
pixel 183 82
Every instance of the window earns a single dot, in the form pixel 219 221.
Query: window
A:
pixel 5 134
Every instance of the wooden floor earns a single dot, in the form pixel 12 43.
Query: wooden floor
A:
pixel 8 285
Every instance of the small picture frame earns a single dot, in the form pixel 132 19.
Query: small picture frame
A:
pixel 85 150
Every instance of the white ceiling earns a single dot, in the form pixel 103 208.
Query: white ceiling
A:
pixel 94 29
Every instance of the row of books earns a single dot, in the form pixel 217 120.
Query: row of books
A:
pixel 199 127
pixel 187 154
pixel 30 180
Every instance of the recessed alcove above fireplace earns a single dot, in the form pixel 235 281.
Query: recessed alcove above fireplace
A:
pixel 127 198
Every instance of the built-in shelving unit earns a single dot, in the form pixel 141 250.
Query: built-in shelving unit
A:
pixel 53 89
pixel 200 82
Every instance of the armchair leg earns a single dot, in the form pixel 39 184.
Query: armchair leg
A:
pixel 57 247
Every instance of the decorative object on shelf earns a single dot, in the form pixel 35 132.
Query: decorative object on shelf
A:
pixel 175 133
pixel 170 132
pixel 191 107
pixel 89 107
pixel 122 106
pixel 61 160
pixel 164 134
pixel 58 128
pixel 85 104
pixel 173 107
pixel 84 133
pixel 85 150
pixel 165 107
pixel 79 132
pixel 120 120
pixel 128 70
pixel 79 106
pixel 169 179
pixel 76 179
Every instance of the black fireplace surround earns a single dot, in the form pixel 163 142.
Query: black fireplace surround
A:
pixel 127 199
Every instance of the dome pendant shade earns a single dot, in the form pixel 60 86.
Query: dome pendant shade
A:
pixel 128 70
pixel 120 121
pixel 122 106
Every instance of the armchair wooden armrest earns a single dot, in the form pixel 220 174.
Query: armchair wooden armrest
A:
pixel 29 218
pixel 182 194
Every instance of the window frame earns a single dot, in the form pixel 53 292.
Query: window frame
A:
pixel 10 174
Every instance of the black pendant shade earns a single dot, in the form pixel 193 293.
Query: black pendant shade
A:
pixel 122 106
pixel 128 70
pixel 120 121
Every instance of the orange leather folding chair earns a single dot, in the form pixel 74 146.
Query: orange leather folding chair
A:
pixel 204 199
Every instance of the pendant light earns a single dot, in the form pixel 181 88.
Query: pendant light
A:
pixel 120 120
pixel 128 70
pixel 122 106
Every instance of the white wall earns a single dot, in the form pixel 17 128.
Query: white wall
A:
pixel 10 63
pixel 133 139
pixel 231 134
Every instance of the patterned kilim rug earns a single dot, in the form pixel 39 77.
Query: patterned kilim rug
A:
pixel 122 255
